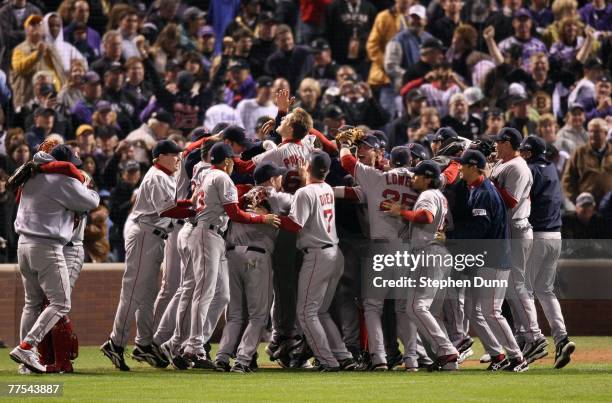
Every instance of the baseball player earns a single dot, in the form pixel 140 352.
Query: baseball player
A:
pixel 483 305
pixel 312 217
pixel 216 203
pixel 153 211
pixel 45 223
pixel 513 179
pixel 249 254
pixel 545 218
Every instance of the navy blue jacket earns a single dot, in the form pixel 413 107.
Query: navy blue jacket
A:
pixel 545 196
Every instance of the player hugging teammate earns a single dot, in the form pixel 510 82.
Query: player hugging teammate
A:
pixel 284 251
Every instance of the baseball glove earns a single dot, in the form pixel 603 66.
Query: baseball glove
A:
pixel 256 199
pixel 21 176
pixel 350 136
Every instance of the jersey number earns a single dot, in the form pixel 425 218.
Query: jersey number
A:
pixel 395 196
pixel 329 215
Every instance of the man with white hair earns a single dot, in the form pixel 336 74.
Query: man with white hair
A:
pixel 155 129
pixel 459 118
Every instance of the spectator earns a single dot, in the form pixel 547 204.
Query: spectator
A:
pixel 460 119
pixel 573 134
pixel 92 91
pixel 121 204
pixel 440 85
pixel 263 44
pixel 95 240
pixel 85 140
pixel 404 50
pixel 194 19
pixel 347 25
pixel 431 54
pixel 309 94
pixel 503 19
pixel 598 14
pixel 8 211
pixel 585 222
pixel 31 56
pixel 445 26
pixel 166 47
pixel 135 87
pixel 250 110
pixel 601 105
pixel 54 37
pixel 475 100
pixel 539 67
pixel 162 17
pixel 585 88
pixel 71 92
pixel 325 68
pixel 241 84
pixel 43 126
pixel 541 14
pixel 243 42
pixel 155 129
pixel 112 45
pixel 495 121
pixel 17 155
pixel 333 119
pixel 290 61
pixel 589 167
pixel 522 25
pixel 571 46
pixel 413 102
pixel 220 112
pixel 310 20
pixel 360 106
pixel 120 100
pixel 80 17
pixel 462 53
pixel 247 19
pixel 561 9
pixel 520 110
pixel 206 46
pixel 13 15
pixel 128 28
pixel 386 25
pixel 424 127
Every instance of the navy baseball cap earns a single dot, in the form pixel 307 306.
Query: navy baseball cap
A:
pixel 428 169
pixel 522 13
pixel 535 144
pixel 62 152
pixel 381 136
pixel 265 82
pixel 264 171
pixel 163 117
pixel 319 162
pixel 400 156
pixel 130 165
pixel 445 133
pixel 219 152
pixel 166 147
pixel 41 111
pixel 198 133
pixel 369 140
pixel 473 157
pixel 510 134
pixel 418 151
pixel 236 134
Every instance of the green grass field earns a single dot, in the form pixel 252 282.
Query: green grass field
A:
pixel 586 378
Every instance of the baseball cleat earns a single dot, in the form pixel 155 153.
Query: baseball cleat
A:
pixel 207 349
pixel 240 368
pixel 222 366
pixel 485 358
pixel 424 362
pixel 395 360
pixel 536 350
pixel 465 355
pixel 380 367
pixel 199 361
pixel 115 354
pixel 29 359
pixel 327 368
pixel 411 369
pixel 442 361
pixel 517 365
pixel 348 364
pixel 564 350
pixel 465 345
pixel 147 354
pixel 498 363
pixel 177 361
pixel 159 355
pixel 23 370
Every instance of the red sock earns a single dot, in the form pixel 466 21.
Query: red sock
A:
pixel 25 345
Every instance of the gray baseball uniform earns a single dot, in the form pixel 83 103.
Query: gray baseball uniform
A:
pixel 74 253
pixel 313 210
pixel 515 177
pixel 45 223
pixel 249 255
pixel 424 304
pixel 144 247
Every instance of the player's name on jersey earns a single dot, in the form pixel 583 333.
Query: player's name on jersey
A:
pixel 427 282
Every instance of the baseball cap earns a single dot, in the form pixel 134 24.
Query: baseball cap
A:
pixel 236 134
pixel 473 157
pixel 381 136
pixel 333 112
pixel 264 171
pixel 40 111
pixel 264 81
pixel 206 30
pixel 163 116
pixel 115 67
pixel 418 10
pixel 319 45
pixel 605 78
pixel 104 132
pixel 415 95
pixel 473 95
pixel 62 152
pixel 428 169
pixel 369 140
pixel 91 77
pixel 238 65
pixel 319 162
pixel 445 133
pixel 585 198
pixel 494 112
pixel 432 43
pixel 418 151
pixel 576 105
pixel 32 20
pixel 593 63
pixel 198 133
pixel 267 17
pixel 516 93
pixel 130 165
pixel 166 147
pixel 103 106
pixel 535 144
pixel 84 128
pixel 219 152
pixel 193 13
pixel 522 13
pixel 510 134
pixel 400 156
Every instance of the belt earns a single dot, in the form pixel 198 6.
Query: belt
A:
pixel 249 249
pixel 329 245
pixel 69 244
pixel 160 233
pixel 216 229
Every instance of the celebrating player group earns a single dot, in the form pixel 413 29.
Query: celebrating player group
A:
pixel 268 234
